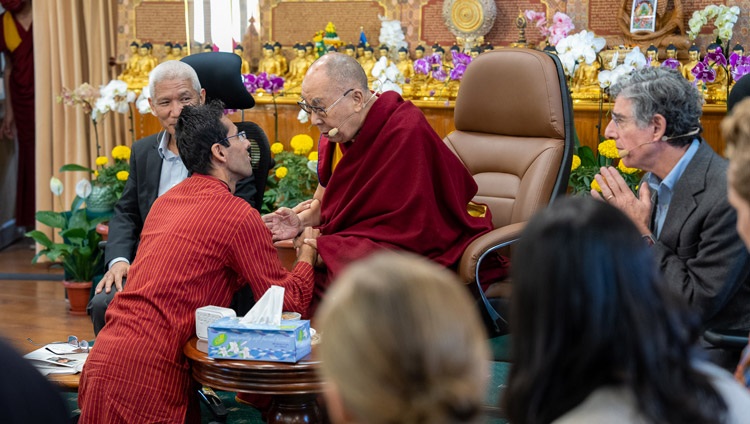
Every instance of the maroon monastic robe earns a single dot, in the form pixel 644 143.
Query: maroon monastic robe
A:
pixel 397 186
pixel 22 99
pixel 198 246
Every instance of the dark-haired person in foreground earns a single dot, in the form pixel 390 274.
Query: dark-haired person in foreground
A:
pixel 598 335
pixel 199 245
pixel 682 208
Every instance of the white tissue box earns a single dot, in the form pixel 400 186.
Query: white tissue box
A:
pixel 205 315
pixel 228 338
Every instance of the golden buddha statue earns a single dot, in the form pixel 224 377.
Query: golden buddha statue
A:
pixel 138 78
pixel 240 51
pixel 131 66
pixel 310 52
pixel 652 56
pixel 350 51
pixel 406 68
pixel 418 81
pixel 716 91
pixel 175 52
pixel 383 52
pixel 283 67
pixel 368 62
pixel 297 70
pixel 268 62
pixel 167 50
pixel 694 57
pixel 360 51
pixel 475 51
pixel 585 81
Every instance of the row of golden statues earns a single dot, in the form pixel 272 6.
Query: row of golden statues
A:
pixel 585 83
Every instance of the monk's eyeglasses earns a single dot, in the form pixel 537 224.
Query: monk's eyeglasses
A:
pixel 321 111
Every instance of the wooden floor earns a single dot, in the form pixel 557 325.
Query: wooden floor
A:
pixel 35 309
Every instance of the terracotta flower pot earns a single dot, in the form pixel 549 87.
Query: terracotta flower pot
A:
pixel 78 295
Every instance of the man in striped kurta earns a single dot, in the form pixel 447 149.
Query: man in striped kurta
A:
pixel 198 246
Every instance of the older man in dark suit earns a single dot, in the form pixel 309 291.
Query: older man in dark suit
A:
pixel 682 208
pixel 155 167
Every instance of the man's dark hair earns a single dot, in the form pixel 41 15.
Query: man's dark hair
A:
pixel 198 129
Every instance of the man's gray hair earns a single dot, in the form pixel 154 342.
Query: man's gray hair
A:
pixel 173 70
pixel 663 91
pixel 344 71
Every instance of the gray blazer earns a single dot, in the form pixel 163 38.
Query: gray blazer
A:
pixel 699 250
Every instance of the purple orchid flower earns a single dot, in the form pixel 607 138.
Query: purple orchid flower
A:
pixel 740 70
pixel 458 72
pixel 435 59
pixel 262 80
pixel 250 82
pixel 716 57
pixel 704 72
pixel 439 74
pixel 421 66
pixel 460 58
pixel 734 58
pixel 671 63
pixel 275 83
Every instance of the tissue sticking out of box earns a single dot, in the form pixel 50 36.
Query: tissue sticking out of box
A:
pixel 267 310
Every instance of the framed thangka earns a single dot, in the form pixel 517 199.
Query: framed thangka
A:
pixel 643 16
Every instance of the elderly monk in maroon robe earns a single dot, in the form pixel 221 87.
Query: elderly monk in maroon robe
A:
pixel 387 180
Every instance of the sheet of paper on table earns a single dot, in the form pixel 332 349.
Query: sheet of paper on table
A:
pixel 57 358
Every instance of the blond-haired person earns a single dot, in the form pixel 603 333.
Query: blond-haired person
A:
pixel 736 132
pixel 401 342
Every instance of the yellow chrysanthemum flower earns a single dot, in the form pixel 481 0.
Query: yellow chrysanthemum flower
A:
pixel 595 186
pixel 122 175
pixel 608 149
pixel 301 144
pixel 576 163
pixel 96 173
pixel 312 156
pixel 625 170
pixel 281 172
pixel 121 153
pixel 277 148
pixel 101 161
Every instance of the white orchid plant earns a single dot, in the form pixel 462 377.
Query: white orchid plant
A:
pixel 580 47
pixel 387 76
pixel 114 96
pixel 724 19
pixel 633 61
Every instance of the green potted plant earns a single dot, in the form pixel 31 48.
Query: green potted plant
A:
pixel 295 175
pixel 79 252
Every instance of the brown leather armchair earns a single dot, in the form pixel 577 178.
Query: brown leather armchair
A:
pixel 514 133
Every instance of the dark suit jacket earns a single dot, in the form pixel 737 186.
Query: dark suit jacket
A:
pixel 699 250
pixel 139 194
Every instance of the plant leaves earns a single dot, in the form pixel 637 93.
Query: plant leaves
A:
pixel 75 167
pixel 40 238
pixel 51 219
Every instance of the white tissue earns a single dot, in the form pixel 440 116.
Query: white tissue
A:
pixel 268 309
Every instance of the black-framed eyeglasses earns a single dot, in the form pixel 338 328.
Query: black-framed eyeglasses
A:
pixel 321 111
pixel 225 141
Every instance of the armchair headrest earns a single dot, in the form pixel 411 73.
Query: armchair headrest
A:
pixel 514 92
pixel 219 74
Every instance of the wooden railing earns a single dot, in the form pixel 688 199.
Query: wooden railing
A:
pixel 587 117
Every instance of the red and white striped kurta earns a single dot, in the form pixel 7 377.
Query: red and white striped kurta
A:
pixel 198 246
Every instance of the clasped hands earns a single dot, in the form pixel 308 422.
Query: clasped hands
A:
pixel 286 224
pixel 616 192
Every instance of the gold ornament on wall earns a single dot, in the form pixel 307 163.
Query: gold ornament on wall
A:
pixel 469 20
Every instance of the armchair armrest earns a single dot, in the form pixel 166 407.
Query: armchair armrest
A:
pixel 468 263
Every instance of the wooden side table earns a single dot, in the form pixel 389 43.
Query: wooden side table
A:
pixel 293 387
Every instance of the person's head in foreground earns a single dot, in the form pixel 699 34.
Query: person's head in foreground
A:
pixel 210 144
pixel 401 343
pixel 173 85
pixel 736 131
pixel 589 311
pixel 655 110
